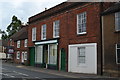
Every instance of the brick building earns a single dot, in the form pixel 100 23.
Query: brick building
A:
pixel 19 43
pixel 67 37
pixel 111 40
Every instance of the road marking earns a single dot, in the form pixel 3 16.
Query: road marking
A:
pixel 3 68
pixel 19 66
pixel 36 77
pixel 7 75
pixel 20 73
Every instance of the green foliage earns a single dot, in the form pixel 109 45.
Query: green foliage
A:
pixel 4 35
pixel 14 26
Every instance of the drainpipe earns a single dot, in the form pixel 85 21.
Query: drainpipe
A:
pixel 101 37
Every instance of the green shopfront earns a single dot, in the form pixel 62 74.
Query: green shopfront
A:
pixel 46 54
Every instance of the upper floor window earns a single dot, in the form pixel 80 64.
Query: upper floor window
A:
pixel 34 34
pixel 56 28
pixel 25 42
pixel 81 23
pixel 117 21
pixel 18 44
pixel 43 34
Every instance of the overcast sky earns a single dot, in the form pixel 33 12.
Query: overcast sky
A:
pixel 23 9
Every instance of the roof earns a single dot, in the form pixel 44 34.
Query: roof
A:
pixel 21 34
pixel 54 10
pixel 112 9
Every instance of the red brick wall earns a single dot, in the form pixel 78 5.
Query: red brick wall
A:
pixel 21 49
pixel 68 28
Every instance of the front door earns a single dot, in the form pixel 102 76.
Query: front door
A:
pixel 32 56
pixel 22 57
pixel 45 55
pixel 63 60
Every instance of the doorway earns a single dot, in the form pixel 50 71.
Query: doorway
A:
pixel 45 56
pixel 32 56
pixel 63 60
pixel 22 57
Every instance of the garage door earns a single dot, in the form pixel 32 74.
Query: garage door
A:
pixel 83 58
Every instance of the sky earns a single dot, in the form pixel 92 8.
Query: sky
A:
pixel 23 9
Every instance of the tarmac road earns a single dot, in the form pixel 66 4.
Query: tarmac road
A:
pixel 10 71
pixel 19 72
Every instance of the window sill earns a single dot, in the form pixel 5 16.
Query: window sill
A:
pixel 56 36
pixel 83 33
pixel 117 31
pixel 43 39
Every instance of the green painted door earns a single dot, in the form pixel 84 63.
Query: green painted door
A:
pixel 63 60
pixel 32 56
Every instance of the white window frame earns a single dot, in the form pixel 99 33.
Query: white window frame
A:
pixel 34 34
pixel 18 44
pixel 117 21
pixel 18 55
pixel 81 56
pixel 39 54
pixel 25 55
pixel 25 42
pixel 81 21
pixel 56 28
pixel 53 54
pixel 43 32
pixel 117 54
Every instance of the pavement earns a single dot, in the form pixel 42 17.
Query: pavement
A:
pixel 62 74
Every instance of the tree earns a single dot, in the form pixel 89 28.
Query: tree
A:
pixel 4 35
pixel 14 26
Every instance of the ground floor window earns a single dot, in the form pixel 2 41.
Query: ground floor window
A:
pixel 25 56
pixel 53 54
pixel 39 54
pixel 118 53
pixel 18 55
pixel 81 55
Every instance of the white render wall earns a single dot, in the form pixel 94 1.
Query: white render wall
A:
pixel 90 65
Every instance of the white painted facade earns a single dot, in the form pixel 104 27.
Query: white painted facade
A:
pixel 90 65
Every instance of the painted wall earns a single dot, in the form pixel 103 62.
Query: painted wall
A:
pixel 90 65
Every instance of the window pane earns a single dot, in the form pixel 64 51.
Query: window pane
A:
pixel 34 34
pixel 118 55
pixel 118 45
pixel 44 31
pixel 82 22
pixel 81 55
pixel 39 54
pixel 53 54
pixel 117 21
pixel 56 28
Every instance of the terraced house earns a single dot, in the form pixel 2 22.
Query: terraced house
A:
pixel 67 37
pixel 19 41
pixel 111 40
